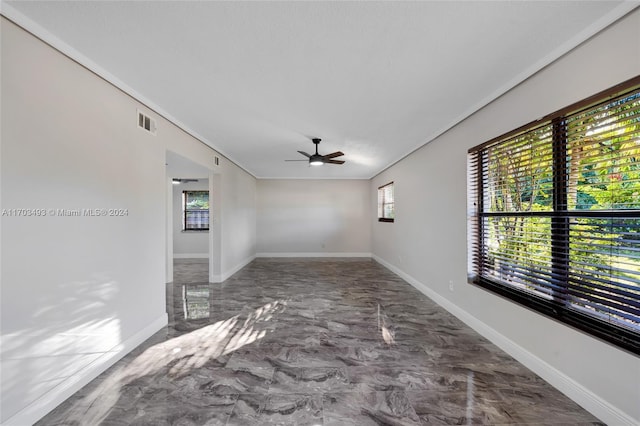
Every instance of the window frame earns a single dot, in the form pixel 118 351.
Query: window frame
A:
pixel 560 310
pixel 185 228
pixel 382 203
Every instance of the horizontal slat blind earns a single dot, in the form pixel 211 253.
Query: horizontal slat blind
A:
pixel 603 150
pixel 603 174
pixel 604 272
pixel 517 178
pixel 517 251
pixel 554 217
pixel 517 174
pixel 474 207
pixel 196 219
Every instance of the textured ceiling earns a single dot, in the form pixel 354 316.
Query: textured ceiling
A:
pixel 257 80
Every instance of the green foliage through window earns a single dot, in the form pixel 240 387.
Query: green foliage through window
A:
pixel 555 217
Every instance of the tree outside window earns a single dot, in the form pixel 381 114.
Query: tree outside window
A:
pixel 555 217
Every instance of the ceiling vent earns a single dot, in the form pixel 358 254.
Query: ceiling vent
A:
pixel 146 123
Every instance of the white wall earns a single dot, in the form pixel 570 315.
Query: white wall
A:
pixel 313 217
pixel 189 243
pixel 77 293
pixel 427 242
pixel 238 203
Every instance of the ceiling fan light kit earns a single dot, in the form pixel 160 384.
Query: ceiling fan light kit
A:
pixel 318 160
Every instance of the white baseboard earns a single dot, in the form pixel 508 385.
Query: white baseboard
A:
pixel 591 402
pixel 320 254
pixel 190 255
pixel 50 400
pixel 227 274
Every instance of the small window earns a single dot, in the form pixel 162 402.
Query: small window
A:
pixel 196 210
pixel 386 211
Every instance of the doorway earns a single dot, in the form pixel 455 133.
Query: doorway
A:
pixel 190 231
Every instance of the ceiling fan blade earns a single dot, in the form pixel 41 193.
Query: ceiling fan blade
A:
pixel 305 154
pixel 334 154
pixel 334 161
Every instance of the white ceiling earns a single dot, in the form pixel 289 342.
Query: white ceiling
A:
pixel 257 80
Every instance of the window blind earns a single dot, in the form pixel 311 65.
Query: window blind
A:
pixel 554 216
pixel 196 210
pixel 386 211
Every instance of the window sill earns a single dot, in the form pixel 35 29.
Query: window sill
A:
pixel 613 334
pixel 194 231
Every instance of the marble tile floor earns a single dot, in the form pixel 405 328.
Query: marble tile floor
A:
pixel 313 342
pixel 190 270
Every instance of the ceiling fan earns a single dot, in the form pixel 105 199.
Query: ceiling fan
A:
pixel 317 159
pixel 178 181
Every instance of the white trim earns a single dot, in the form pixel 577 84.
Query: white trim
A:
pixel 591 402
pixel 190 255
pixel 56 396
pixel 227 274
pixel 320 254
pixel 36 29
pixel 312 178
pixel 606 20
pixel 61 46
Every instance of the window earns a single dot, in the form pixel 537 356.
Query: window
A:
pixel 554 216
pixel 385 203
pixel 196 210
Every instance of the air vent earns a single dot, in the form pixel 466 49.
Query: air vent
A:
pixel 146 123
pixel 216 161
